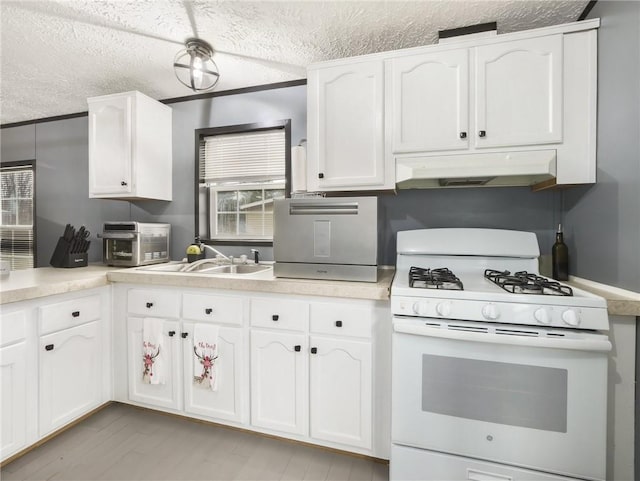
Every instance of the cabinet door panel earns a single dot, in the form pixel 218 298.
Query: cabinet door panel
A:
pixel 519 92
pixel 346 148
pixel 110 146
pixel 164 395
pixel 429 106
pixel 13 384
pixel 228 400
pixel 341 403
pixel 70 375
pixel 279 381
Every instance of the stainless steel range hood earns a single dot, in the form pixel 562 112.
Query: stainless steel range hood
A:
pixel 477 169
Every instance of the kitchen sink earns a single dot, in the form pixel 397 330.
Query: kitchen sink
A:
pixel 212 268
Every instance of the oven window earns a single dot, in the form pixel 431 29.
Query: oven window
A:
pixel 496 392
pixel 121 249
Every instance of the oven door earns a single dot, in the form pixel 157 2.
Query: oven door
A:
pixel 533 402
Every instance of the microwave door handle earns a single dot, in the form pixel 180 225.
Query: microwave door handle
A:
pixel 513 340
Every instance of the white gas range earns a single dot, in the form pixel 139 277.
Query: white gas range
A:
pixel 498 373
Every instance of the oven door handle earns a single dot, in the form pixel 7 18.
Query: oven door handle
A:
pixel 118 235
pixel 513 340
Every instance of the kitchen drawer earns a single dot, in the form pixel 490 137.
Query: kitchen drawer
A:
pixel 152 303
pixel 341 319
pixel 55 317
pixel 13 328
pixel 280 314
pixel 223 309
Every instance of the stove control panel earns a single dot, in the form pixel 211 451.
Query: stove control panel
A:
pixel 507 312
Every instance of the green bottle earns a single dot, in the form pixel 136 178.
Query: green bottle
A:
pixel 560 257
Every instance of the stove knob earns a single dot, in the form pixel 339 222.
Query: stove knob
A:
pixel 443 309
pixel 490 312
pixel 421 308
pixel 571 317
pixel 542 316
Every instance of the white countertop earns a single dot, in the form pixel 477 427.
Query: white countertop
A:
pixel 46 281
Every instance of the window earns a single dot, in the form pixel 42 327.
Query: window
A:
pixel 16 230
pixel 241 170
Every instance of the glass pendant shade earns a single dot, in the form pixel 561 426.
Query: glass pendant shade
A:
pixel 194 66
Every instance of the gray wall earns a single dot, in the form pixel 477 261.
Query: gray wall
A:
pixel 603 221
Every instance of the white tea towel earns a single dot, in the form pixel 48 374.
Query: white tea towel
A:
pixel 205 356
pixel 152 351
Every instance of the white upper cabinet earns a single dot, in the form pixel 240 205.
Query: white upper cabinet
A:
pixel 428 101
pixel 511 109
pixel 346 128
pixel 130 153
pixel 518 87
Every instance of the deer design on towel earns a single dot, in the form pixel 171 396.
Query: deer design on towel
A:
pixel 148 359
pixel 207 361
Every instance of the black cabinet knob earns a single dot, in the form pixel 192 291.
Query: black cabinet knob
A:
pixel 172 333
pixel 338 323
pixel 320 175
pixel 123 183
pixel 75 313
pixel 149 305
pixel 482 133
pixel 208 310
pixel 297 348
pixel 275 317
pixel 314 350
pixel 184 335
pixel 463 135
pixel 49 347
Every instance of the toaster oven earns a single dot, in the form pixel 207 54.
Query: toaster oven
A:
pixel 132 243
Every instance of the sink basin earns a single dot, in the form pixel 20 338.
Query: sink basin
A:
pixel 236 269
pixel 212 268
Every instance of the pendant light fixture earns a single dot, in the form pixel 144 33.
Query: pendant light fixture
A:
pixel 194 66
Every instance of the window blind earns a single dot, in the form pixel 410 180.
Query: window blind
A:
pixel 243 157
pixel 16 229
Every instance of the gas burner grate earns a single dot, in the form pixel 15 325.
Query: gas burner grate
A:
pixel 524 282
pixel 441 278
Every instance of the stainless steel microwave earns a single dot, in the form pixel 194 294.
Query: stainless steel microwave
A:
pixel 131 243
pixel 326 238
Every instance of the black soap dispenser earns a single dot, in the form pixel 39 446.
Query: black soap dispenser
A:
pixel 560 257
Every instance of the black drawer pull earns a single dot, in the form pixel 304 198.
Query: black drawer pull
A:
pixel 75 313
pixel 314 350
pixel 123 183
pixel 184 335
pixel 172 333
pixel 297 348
pixel 49 347
pixel 482 133
pixel 338 323
pixel 320 175
pixel 149 305
pixel 463 135
pixel 275 317
pixel 208 310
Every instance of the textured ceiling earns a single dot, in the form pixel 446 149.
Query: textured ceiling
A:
pixel 55 54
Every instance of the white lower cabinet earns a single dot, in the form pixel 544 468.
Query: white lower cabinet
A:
pixel 70 375
pixel 166 393
pixel 297 367
pixel 340 391
pixel 279 381
pixel 226 402
pixel 13 386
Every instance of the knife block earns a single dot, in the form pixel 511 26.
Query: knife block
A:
pixel 63 258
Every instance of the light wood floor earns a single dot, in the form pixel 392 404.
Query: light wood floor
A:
pixel 124 443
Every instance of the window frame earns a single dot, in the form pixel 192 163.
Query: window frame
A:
pixel 31 163
pixel 200 134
